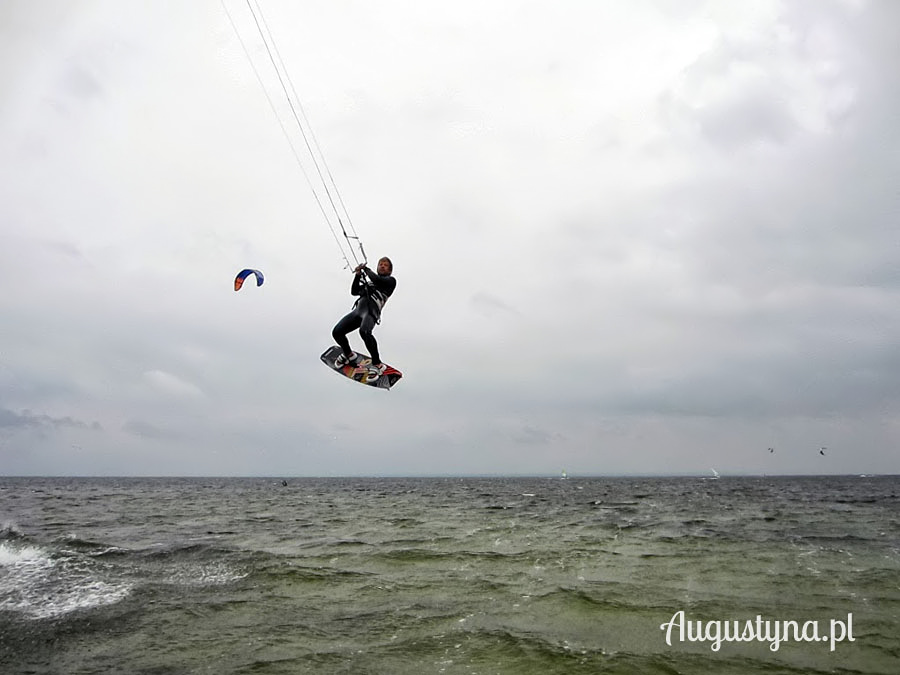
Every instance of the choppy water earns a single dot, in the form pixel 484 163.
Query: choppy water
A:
pixel 443 575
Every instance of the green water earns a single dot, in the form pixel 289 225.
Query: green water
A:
pixel 443 575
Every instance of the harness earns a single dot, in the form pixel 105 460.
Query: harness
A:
pixel 376 299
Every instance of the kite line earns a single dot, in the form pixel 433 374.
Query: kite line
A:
pixel 335 213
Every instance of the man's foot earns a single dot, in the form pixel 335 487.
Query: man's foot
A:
pixel 342 359
pixel 376 371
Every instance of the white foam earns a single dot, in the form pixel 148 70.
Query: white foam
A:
pixel 86 594
pixel 41 586
pixel 210 574
pixel 11 556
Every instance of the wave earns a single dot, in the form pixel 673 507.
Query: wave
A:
pixel 413 555
pixel 191 564
pixel 10 531
pixel 41 584
pixel 574 598
pixel 11 556
pixel 184 550
pixel 42 581
pixel 496 649
pixel 208 574
pixel 493 649
pixel 91 548
pixel 421 555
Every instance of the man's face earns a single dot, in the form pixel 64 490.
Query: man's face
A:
pixel 384 267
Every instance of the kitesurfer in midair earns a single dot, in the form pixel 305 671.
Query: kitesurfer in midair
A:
pixel 373 289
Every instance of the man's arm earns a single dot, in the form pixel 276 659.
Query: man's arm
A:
pixel 356 286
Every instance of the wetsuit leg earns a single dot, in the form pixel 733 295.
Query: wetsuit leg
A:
pixel 365 332
pixel 349 323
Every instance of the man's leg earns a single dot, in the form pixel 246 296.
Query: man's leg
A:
pixel 365 332
pixel 349 323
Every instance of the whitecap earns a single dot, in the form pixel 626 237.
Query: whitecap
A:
pixel 39 585
pixel 209 574
pixel 11 556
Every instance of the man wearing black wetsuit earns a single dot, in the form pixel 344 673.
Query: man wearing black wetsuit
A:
pixel 373 289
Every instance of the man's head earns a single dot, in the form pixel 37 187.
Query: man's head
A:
pixel 385 266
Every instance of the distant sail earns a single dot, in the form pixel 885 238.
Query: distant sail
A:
pixel 243 274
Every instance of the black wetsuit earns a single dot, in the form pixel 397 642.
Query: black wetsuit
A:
pixel 373 292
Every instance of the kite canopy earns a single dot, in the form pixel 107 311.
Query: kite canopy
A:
pixel 243 274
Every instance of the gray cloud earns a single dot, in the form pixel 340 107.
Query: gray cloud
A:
pixel 26 420
pixel 625 237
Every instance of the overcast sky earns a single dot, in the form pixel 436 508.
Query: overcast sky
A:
pixel 653 236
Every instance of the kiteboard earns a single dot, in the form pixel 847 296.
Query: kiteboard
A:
pixel 359 372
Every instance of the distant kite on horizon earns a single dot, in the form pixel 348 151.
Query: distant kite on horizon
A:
pixel 243 274
pixel 822 450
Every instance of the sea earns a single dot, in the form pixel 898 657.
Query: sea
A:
pixel 474 575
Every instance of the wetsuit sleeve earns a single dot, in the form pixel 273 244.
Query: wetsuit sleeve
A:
pixel 356 286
